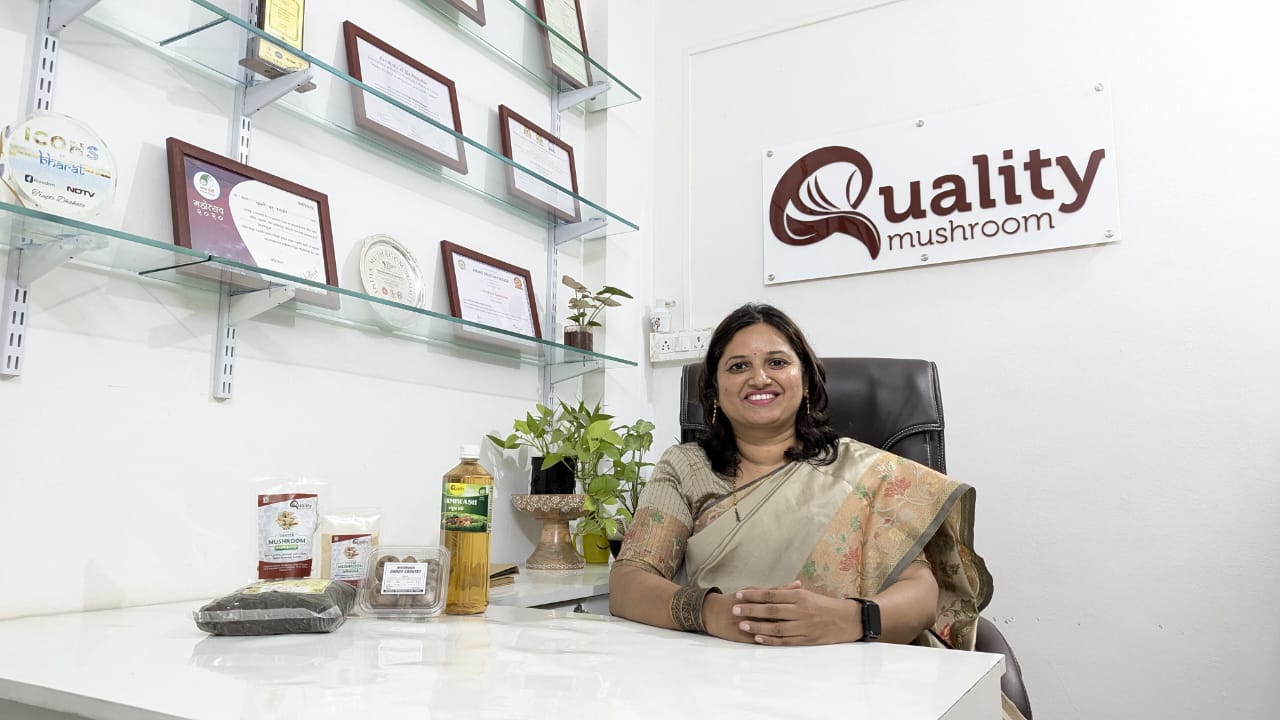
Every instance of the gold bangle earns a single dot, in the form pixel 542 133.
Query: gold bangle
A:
pixel 686 607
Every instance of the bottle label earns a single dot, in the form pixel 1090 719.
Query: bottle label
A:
pixel 464 507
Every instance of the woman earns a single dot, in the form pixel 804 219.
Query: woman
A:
pixel 784 531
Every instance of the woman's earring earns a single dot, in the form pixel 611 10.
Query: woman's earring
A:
pixel 807 409
pixel 715 405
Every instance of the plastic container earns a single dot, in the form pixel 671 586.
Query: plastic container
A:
pixel 405 581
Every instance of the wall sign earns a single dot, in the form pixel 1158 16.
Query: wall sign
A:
pixel 1020 176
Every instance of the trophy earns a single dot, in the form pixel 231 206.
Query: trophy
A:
pixel 282 20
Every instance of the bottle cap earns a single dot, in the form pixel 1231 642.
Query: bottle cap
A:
pixel 469 452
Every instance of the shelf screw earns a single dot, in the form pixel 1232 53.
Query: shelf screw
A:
pixel 1109 234
pixel 768 153
pixel 1098 87
pixel 919 123
pixel 770 276
pixel 924 257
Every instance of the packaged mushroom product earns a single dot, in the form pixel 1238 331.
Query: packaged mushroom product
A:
pixel 288 513
pixel 278 607
pixel 347 536
pixel 405 581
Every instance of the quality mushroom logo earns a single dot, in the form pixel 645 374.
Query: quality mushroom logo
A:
pixel 818 196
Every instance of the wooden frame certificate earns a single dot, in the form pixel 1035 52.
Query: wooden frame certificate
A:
pixel 395 74
pixel 568 60
pixel 473 9
pixel 228 209
pixel 489 291
pixel 545 154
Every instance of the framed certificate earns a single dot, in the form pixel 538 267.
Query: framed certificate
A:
pixel 473 9
pixel 567 60
pixel 395 74
pixel 489 291
pixel 228 209
pixel 532 147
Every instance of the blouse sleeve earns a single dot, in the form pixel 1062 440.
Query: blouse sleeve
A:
pixel 655 541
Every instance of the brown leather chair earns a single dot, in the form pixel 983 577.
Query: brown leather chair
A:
pixel 895 405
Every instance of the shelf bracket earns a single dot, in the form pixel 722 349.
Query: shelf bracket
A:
pixel 64 12
pixel 27 263
pixel 263 94
pixel 250 304
pixel 35 261
pixel 573 231
pixel 234 307
pixel 569 370
pixel 566 99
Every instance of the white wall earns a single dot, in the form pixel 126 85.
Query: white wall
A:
pixel 119 475
pixel 1113 404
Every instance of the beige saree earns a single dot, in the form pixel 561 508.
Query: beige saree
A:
pixel 848 529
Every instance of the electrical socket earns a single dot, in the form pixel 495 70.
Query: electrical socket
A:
pixel 683 346
pixel 661 345
pixel 700 339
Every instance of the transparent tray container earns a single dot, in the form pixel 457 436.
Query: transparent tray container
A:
pixel 405 581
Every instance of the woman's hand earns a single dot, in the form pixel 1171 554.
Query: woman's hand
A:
pixel 719 620
pixel 789 615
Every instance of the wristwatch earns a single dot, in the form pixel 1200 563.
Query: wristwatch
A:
pixel 870 619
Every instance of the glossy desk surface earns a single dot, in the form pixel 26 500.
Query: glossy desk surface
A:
pixel 546 587
pixel 152 662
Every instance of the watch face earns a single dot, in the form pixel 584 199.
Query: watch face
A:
pixel 870 620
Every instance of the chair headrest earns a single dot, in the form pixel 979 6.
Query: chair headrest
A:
pixel 889 403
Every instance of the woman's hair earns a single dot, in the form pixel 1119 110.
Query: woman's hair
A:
pixel 815 440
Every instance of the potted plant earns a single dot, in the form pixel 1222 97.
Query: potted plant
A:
pixel 606 462
pixel 543 434
pixel 585 307
pixel 637 439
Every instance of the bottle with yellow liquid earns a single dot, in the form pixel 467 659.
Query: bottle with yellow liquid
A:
pixel 465 514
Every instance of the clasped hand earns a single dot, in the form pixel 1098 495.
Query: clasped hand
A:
pixel 786 615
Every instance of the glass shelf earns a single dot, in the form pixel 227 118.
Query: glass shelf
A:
pixel 210 38
pixel 504 33
pixel 115 250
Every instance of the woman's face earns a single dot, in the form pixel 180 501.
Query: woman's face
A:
pixel 759 380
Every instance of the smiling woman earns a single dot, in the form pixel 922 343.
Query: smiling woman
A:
pixel 772 529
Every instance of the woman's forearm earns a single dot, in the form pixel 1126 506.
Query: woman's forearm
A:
pixel 641 596
pixel 909 606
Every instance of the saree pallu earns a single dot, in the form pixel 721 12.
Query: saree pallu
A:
pixel 849 529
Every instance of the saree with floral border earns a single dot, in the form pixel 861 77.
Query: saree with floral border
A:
pixel 846 529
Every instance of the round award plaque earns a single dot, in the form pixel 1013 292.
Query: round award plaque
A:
pixel 57 164
pixel 389 272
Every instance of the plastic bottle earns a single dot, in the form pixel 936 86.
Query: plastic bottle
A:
pixel 465 514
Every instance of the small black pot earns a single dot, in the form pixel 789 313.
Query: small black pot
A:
pixel 555 480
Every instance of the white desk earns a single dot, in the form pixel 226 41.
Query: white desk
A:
pixel 151 662
pixel 552 589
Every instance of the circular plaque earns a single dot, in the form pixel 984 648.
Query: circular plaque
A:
pixel 57 164
pixel 389 272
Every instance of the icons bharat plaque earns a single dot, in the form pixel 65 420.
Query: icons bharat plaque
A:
pixel 57 164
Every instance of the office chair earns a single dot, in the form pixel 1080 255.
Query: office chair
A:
pixel 895 405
